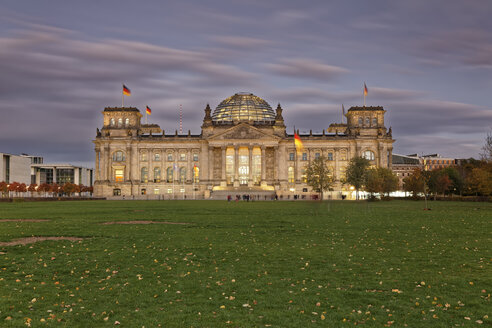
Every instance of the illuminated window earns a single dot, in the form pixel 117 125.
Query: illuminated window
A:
pixel 169 174
pixel 120 122
pixel 291 174
pixel 169 157
pixel 303 175
pixel 195 157
pixel 343 155
pixel 156 191
pixel 256 162
pixel 182 174
pixel 157 174
pixel 291 156
pixel 144 174
pixel 111 122
pixel 118 175
pixel 330 156
pixel 127 121
pixel 118 156
pixel 196 174
pixel 143 157
pixel 182 157
pixel 157 157
pixel 169 190
pixel 143 191
pixel 116 192
pixel 374 121
pixel 304 157
pixel 369 155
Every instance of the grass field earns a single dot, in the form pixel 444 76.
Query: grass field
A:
pixel 256 264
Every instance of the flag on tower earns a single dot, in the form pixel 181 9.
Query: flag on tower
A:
pixel 365 89
pixel 298 143
pixel 126 91
pixel 148 110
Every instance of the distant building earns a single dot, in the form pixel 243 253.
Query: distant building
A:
pixel 436 161
pixel 15 168
pixel 61 174
pixel 32 169
pixel 403 166
pixel 243 148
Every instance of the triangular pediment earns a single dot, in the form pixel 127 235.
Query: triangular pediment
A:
pixel 243 131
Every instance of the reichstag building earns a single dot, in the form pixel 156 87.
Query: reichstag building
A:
pixel 243 148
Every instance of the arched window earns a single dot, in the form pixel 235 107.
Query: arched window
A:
pixel 369 155
pixel 361 121
pixel 143 157
pixel 157 157
pixel 196 174
pixel 374 121
pixel 182 174
pixel 303 175
pixel 111 122
pixel 169 174
pixel 144 175
pixel 118 156
pixel 127 121
pixel 157 174
pixel 291 174
pixel 368 121
pixel 169 157
pixel 120 121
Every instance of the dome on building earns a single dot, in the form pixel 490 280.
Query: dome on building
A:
pixel 243 107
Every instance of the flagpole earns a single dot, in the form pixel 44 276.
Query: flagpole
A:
pixel 146 116
pixel 122 97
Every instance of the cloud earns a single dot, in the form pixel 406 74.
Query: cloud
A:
pixel 241 42
pixel 306 69
pixel 467 46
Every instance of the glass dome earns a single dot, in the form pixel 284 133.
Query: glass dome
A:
pixel 242 107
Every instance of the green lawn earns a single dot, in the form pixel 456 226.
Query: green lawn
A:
pixel 256 264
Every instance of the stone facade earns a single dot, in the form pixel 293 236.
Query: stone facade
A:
pixel 238 151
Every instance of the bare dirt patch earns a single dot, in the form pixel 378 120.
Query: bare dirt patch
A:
pixel 31 240
pixel 142 222
pixel 23 220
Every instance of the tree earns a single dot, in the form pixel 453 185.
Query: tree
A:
pixel 70 188
pixel 318 175
pixel 356 173
pixel 380 180
pixel 480 181
pixel 487 148
pixel 390 180
pixel 4 188
pixel 457 183
pixel 44 187
pixel 414 183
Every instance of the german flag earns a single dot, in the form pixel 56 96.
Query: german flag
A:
pixel 148 110
pixel 298 143
pixel 126 91
pixel 365 89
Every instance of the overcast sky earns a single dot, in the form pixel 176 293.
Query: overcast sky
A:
pixel 428 62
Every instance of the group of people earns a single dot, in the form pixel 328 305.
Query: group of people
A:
pixel 247 197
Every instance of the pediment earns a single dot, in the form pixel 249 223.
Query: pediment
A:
pixel 243 131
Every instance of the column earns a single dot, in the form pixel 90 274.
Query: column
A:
pixel 263 163
pixel 250 160
pixel 211 164
pixel 97 164
pixel 236 164
pixel 336 167
pixel 223 177
pixel 150 165
pixel 128 161
pixel 108 163
pixel 54 174
pixel 275 164
pixel 203 162
pixel 189 168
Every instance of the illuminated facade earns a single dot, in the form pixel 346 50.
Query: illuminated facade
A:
pixel 243 148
